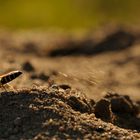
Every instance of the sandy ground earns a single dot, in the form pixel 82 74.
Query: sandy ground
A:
pixel 83 86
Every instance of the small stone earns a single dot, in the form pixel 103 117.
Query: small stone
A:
pixel 64 86
pixel 43 76
pixel 78 104
pixel 122 104
pixel 102 110
pixel 27 66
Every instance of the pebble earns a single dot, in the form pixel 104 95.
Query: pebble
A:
pixel 28 67
pixel 102 110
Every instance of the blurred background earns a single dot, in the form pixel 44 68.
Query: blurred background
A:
pixel 67 14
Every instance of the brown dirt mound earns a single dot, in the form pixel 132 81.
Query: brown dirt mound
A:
pixel 44 113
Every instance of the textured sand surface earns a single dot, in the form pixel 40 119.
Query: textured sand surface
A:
pixel 72 87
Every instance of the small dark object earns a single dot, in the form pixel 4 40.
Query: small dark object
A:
pixel 64 86
pixel 27 66
pixel 100 129
pixel 34 76
pixel 78 104
pixel 42 76
pixel 54 72
pixel 103 110
pixel 122 104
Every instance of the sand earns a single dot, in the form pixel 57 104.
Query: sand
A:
pixel 80 87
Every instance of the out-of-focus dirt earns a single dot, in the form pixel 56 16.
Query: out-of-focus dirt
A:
pixel 81 86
